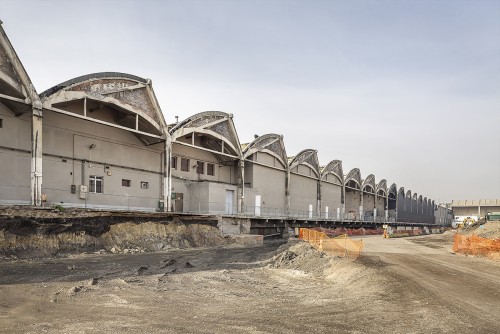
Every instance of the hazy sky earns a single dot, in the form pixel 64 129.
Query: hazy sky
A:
pixel 406 90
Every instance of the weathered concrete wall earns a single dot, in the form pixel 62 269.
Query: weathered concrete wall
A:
pixel 229 225
pixel 303 192
pixel 331 196
pixel 15 157
pixel 352 202
pixel 269 183
pixel 117 155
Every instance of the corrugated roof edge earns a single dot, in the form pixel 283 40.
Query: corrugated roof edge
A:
pixel 86 77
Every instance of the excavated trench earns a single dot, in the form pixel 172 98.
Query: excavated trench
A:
pixel 28 233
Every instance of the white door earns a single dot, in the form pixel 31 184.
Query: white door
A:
pixel 229 202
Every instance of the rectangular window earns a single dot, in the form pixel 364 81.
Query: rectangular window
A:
pixel 174 163
pixel 125 183
pixel 184 165
pixel 200 167
pixel 95 184
pixel 1 123
pixel 144 185
pixel 211 169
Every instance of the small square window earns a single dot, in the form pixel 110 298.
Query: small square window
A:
pixel 184 165
pixel 210 169
pixel 144 185
pixel 174 163
pixel 125 183
pixel 200 167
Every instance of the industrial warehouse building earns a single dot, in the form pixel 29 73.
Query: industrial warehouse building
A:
pixel 101 141
pixel 475 207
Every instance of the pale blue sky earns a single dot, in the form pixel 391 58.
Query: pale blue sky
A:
pixel 406 90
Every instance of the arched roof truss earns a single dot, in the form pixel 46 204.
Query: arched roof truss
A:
pixel 425 200
pixel 420 199
pixel 382 187
pixel 393 191
pixel 16 89
pixel 335 168
pixel 353 179
pixel 127 101
pixel 216 131
pixel 270 143
pixel 369 184
pixel 401 192
pixel 308 157
pixel 408 194
pixel 415 196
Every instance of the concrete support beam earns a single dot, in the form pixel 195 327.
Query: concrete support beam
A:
pixel 167 176
pixel 36 157
pixel 241 186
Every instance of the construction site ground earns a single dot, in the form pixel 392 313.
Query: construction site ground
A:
pixel 405 285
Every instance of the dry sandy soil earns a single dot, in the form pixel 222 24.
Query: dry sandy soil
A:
pixel 412 285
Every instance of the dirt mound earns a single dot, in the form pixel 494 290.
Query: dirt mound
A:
pixel 490 230
pixel 302 256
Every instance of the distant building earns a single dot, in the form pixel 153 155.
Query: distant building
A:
pixel 475 207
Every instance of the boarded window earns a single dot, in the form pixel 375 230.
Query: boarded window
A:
pixel 95 184
pixel 184 165
pixel 210 169
pixel 200 167
pixel 125 183
pixel 174 163
pixel 144 185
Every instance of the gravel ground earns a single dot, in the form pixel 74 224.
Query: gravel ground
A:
pixel 411 285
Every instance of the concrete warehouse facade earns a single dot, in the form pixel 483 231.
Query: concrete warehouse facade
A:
pixel 100 141
pixel 475 207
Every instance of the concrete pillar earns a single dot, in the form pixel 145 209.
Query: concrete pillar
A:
pixel 361 205
pixel 287 192
pixel 167 176
pixel 375 207
pixel 342 201
pixel 386 208
pixel 318 197
pixel 241 197
pixel 36 157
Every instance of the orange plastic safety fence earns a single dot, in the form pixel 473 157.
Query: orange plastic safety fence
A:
pixel 341 246
pixel 475 245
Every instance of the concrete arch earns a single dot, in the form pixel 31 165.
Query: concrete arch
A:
pixel 214 131
pixel 353 179
pixel 392 201
pixel 304 189
pixel 381 188
pixel 270 143
pixel 111 98
pixel 332 181
pixel 353 195
pixel 334 168
pixel 368 184
pixel 308 157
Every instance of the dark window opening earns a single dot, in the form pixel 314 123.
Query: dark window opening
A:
pixel 184 165
pixel 125 183
pixel 144 185
pixel 1 123
pixel 211 169
pixel 174 163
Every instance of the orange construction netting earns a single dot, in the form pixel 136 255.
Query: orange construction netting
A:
pixel 475 245
pixel 342 246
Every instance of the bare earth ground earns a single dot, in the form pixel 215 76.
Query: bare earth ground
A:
pixel 412 285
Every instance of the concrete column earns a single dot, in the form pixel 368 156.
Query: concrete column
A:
pixel 167 176
pixel 241 197
pixel 375 207
pixel 342 201
pixel 361 205
pixel 318 197
pixel 386 208
pixel 36 157
pixel 287 192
